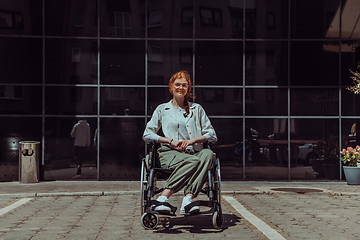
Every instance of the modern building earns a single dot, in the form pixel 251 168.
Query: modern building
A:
pixel 270 74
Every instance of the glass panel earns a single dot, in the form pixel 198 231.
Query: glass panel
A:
pixel 166 58
pixel 12 131
pixel 121 147
pixel 266 157
pixel 114 100
pixel 71 18
pixel 20 100
pixel 62 156
pixel 314 18
pixel 71 61
pixel 169 19
pixel 21 60
pixel 315 102
pixel 218 63
pixel 156 96
pixel 350 61
pixel 350 103
pixel 266 63
pixel 71 100
pixel 314 64
pixel 20 17
pixel 122 19
pixel 350 26
pixel 122 62
pixel 316 139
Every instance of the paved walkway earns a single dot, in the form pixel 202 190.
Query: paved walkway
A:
pixel 48 188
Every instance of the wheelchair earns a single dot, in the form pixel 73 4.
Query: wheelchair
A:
pixel 151 171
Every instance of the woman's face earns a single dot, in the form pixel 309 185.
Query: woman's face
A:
pixel 180 87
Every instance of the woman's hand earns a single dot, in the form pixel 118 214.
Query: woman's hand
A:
pixel 182 145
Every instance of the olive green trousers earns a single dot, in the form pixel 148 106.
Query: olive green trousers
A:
pixel 190 168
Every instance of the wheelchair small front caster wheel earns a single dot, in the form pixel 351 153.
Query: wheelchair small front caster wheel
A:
pixel 149 220
pixel 217 220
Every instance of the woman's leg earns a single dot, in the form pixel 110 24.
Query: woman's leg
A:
pixel 197 180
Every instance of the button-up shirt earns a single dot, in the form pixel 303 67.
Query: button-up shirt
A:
pixel 197 124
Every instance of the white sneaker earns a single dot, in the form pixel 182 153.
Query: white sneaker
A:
pixel 162 208
pixel 186 201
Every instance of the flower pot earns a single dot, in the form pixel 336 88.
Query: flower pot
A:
pixel 352 175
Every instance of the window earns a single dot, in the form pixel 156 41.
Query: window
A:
pixel 11 20
pixel 187 15
pixel 79 18
pixel 155 19
pixel 11 92
pixel 155 54
pixel 270 20
pixel 210 16
pixel 119 24
pixel 75 57
pixel 186 55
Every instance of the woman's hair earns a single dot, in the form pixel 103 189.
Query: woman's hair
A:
pixel 189 94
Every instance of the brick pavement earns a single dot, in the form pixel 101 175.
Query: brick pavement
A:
pixel 111 210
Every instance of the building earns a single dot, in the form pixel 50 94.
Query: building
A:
pixel 274 70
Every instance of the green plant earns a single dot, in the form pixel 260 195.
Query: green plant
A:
pixel 350 156
pixel 356 79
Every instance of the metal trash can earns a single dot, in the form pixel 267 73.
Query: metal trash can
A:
pixel 29 161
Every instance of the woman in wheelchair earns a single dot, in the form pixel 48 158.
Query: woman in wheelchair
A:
pixel 186 127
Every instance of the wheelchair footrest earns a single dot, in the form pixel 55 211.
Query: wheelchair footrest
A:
pixel 153 204
pixel 198 203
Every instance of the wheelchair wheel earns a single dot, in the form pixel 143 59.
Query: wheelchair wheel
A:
pixel 149 221
pixel 143 186
pixel 217 219
pixel 217 182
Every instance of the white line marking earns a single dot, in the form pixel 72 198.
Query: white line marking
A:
pixel 258 223
pixel 14 205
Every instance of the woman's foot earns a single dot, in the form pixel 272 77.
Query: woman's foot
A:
pixel 162 208
pixel 186 201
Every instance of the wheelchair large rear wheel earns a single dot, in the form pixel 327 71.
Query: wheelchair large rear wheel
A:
pixel 143 182
pixel 217 182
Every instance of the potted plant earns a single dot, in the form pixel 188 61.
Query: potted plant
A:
pixel 351 164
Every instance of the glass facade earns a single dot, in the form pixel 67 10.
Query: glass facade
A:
pixel 270 74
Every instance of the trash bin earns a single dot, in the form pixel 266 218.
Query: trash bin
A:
pixel 29 161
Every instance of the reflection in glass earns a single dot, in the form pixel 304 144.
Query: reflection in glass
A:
pixel 71 61
pixel 307 22
pixel 349 103
pixel 12 131
pixel 122 62
pixel 121 147
pixel 166 58
pixel 24 54
pixel 266 63
pixel 122 19
pixel 156 96
pixel 218 62
pixel 71 100
pixel 60 158
pixel 315 102
pixel 20 100
pixel 20 17
pixel 71 18
pixel 114 100
pixel 305 69
pixel 318 149
pixel 170 19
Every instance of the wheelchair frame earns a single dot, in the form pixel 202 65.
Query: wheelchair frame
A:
pixel 151 170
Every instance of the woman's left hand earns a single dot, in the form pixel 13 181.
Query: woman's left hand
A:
pixel 182 145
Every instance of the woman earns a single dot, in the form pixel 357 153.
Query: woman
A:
pixel 186 127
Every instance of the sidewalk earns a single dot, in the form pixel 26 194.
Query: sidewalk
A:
pixel 83 188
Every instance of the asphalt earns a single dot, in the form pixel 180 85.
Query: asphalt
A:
pixel 98 188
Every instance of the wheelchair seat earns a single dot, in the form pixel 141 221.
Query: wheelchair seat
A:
pixel 151 171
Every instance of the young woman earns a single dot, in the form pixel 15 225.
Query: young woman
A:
pixel 186 127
